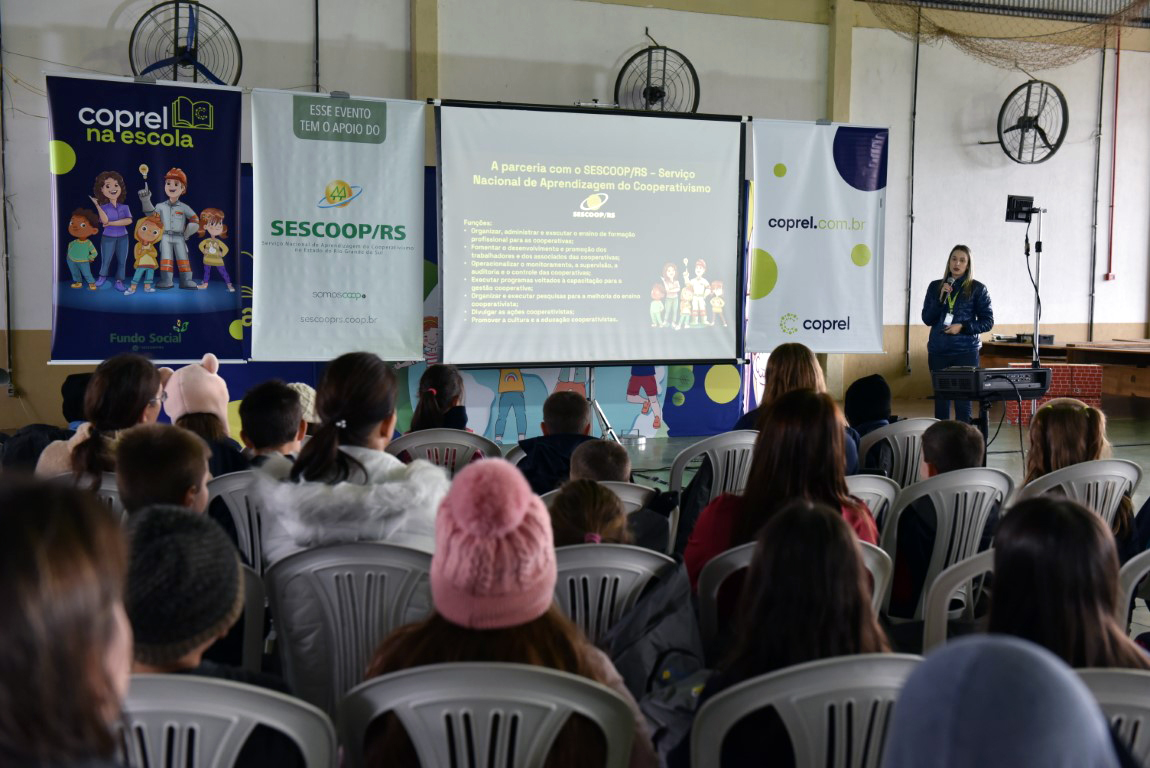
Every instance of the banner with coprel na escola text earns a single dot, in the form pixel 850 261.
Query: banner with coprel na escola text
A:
pixel 145 219
pixel 338 226
pixel 816 234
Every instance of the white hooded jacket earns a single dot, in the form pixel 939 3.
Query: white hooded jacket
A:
pixel 392 502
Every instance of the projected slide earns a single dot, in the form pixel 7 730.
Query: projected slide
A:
pixel 575 237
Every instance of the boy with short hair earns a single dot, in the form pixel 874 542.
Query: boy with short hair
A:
pixel 600 460
pixel 272 426
pixel 566 425
pixel 162 464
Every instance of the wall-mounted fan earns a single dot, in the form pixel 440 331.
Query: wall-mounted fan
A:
pixel 1032 122
pixel 657 79
pixel 185 40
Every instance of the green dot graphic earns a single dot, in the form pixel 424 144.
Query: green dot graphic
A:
pixel 678 398
pixel 764 273
pixel 860 255
pixel 61 157
pixel 780 170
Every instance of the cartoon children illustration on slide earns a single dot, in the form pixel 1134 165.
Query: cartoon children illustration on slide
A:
pixel 658 293
pixel 213 249
pixel 643 379
pixel 180 223
pixel 148 231
pixel 671 300
pixel 108 197
pixel 686 297
pixel 511 397
pixel 81 253
pixel 700 289
pixel 717 303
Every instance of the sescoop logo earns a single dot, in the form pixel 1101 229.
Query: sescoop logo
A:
pixel 589 207
pixel 338 193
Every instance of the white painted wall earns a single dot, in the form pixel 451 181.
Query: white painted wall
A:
pixel 961 187
pixel 561 51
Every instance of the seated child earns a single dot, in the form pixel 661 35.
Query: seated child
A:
pixel 584 512
pixel 162 464
pixel 606 460
pixel 566 425
pixel 196 398
pixel 946 446
pixel 184 592
pixel 272 426
pixel 440 403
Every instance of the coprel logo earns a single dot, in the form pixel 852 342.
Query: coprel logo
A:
pixel 790 324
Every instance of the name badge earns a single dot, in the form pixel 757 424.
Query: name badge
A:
pixel 949 319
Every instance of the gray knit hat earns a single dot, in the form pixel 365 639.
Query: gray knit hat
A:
pixel 184 583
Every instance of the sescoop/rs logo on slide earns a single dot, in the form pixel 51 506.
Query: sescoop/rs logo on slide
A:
pixel 589 207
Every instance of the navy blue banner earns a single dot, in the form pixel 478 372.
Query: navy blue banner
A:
pixel 146 220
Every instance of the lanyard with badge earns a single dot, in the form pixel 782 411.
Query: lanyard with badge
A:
pixel 949 300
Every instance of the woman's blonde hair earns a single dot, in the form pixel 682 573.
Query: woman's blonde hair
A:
pixel 790 367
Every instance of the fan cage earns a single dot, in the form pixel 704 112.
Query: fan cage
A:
pixel 162 33
pixel 658 79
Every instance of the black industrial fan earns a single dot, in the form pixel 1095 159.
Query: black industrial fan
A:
pixel 657 79
pixel 185 40
pixel 1032 122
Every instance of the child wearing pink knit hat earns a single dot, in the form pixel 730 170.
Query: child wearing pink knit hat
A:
pixel 493 578
pixel 196 398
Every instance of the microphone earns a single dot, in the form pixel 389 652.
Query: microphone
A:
pixel 949 281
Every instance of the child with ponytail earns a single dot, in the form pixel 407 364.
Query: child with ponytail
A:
pixel 344 486
pixel 440 403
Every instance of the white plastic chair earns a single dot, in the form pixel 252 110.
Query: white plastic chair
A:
pixel 835 710
pixel 730 455
pixel 633 496
pixel 235 488
pixel 334 605
pixel 1121 693
pixel 877 492
pixel 107 492
pixel 183 721
pixel 598 583
pixel 1132 572
pixel 951 581
pixel 255 603
pixel 1098 485
pixel 719 568
pixel 905 440
pixel 962 501
pixel 470 715
pixel 452 449
pixel 516 455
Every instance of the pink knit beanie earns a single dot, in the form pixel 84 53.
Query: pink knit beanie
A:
pixel 197 388
pixel 494 561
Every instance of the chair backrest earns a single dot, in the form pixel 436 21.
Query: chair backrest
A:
pixel 877 492
pixel 951 580
pixel 1121 693
pixel 1098 485
pixel 516 454
pixel 633 495
pixel 962 502
pixel 835 710
pixel 881 569
pixel 334 605
pixel 255 603
pixel 598 583
pixel 452 449
pixel 107 492
pixel 730 455
pixel 470 715
pixel 183 721
pixel 720 567
pixel 717 570
pixel 1132 572
pixel 905 440
pixel 235 489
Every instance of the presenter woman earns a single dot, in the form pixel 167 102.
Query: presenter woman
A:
pixel 957 309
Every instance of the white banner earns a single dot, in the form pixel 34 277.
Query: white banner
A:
pixel 338 227
pixel 817 237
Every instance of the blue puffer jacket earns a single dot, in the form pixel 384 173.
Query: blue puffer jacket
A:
pixel 972 311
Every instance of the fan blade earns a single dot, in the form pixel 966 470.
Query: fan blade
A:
pixel 1015 127
pixel 1042 135
pixel 206 72
pixel 191 26
pixel 171 61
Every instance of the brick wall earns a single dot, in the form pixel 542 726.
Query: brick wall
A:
pixel 1082 382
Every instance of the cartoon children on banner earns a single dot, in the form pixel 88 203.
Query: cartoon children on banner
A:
pixel 213 249
pixel 511 390
pixel 643 379
pixel 82 225
pixel 148 232
pixel 115 217
pixel 180 223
